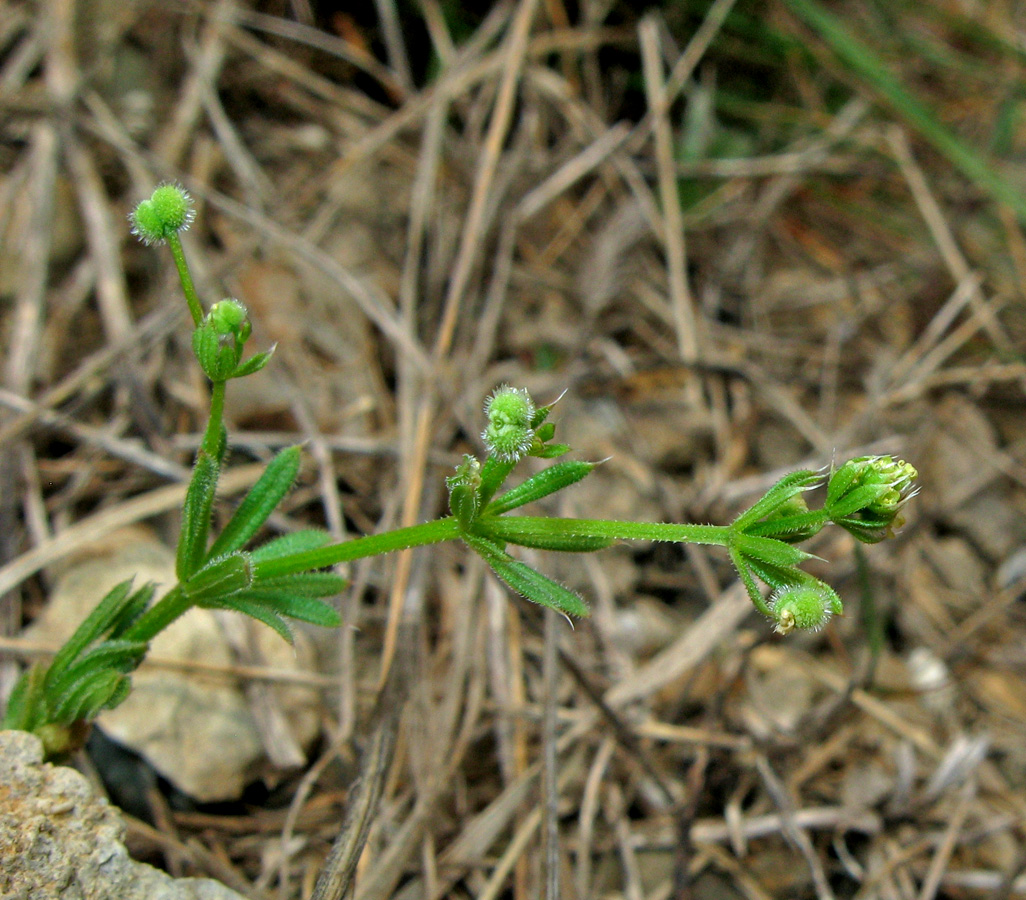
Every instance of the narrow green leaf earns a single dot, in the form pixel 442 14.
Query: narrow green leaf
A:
pixel 260 612
pixel 199 501
pixel 253 364
pixel 294 542
pixel 124 656
pixel 540 415
pixel 89 697
pixel 841 481
pixel 865 528
pixel 776 576
pixel 262 499
pixel 509 530
pixel 856 499
pixel 493 473
pixel 744 572
pixel 769 549
pixel 551 451
pixel 548 481
pixel 306 584
pixel 132 609
pixel 117 696
pixel 789 486
pixel 220 577
pixel 116 658
pixel 26 704
pixel 525 580
pixel 105 615
pixel 790 528
pixel 294 606
pixel 464 504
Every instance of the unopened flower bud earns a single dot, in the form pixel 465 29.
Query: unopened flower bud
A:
pixel 866 495
pixel 464 491
pixel 219 339
pixel 229 317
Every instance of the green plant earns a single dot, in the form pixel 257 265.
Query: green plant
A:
pixel 284 578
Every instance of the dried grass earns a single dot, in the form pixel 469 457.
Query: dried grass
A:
pixel 707 227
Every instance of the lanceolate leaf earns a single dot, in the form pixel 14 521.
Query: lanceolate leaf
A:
pixel 107 613
pixel 510 530
pixel 133 607
pixel 305 584
pixel 287 544
pixel 525 580
pixel 219 578
pixel 493 473
pixel 293 606
pixel 90 696
pixel 548 481
pixel 788 487
pixel 26 704
pixel 122 656
pixel 551 451
pixel 260 612
pixel 260 502
pixel 199 501
pixel 253 364
pixel 769 550
pixel 744 571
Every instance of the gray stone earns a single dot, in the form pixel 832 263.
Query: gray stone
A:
pixel 59 841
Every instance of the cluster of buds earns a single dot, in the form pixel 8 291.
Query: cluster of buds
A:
pixel 866 496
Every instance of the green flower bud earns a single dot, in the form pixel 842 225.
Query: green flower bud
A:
pixel 229 317
pixel 509 434
pixel 808 605
pixel 168 211
pixel 465 491
pixel 219 340
pixel 866 495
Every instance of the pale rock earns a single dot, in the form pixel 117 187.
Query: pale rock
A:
pixel 58 841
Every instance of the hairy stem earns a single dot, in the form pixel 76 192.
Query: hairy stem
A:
pixel 172 605
pixel 512 526
pixel 188 288
pixel 212 436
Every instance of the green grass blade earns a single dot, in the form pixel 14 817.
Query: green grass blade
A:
pixel 865 63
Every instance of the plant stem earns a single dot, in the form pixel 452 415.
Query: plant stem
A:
pixel 434 532
pixel 512 526
pixel 212 437
pixel 188 288
pixel 173 604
